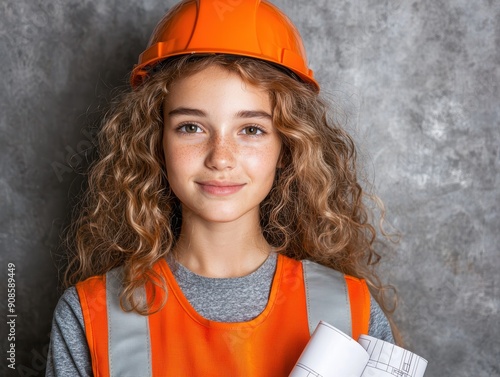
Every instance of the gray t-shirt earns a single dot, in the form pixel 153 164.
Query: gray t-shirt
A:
pixel 217 299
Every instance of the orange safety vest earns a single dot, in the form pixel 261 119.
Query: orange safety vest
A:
pixel 177 341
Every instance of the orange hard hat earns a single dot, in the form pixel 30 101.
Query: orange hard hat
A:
pixel 253 28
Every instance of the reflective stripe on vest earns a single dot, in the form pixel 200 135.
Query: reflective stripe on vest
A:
pixel 329 296
pixel 129 347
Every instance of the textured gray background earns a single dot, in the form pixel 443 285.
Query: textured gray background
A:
pixel 418 85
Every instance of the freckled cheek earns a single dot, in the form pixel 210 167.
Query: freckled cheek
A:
pixel 180 160
pixel 263 161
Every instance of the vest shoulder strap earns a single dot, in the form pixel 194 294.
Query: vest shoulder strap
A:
pixel 92 295
pixel 341 300
pixel 359 298
pixel 113 334
pixel 128 333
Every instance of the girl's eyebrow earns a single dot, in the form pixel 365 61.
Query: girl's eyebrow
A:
pixel 253 114
pixel 201 113
pixel 186 111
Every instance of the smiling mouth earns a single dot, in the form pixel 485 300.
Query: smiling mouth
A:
pixel 220 188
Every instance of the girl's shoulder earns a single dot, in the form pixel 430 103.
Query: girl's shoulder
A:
pixel 68 305
pixel 68 351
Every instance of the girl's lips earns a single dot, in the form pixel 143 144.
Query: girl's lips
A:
pixel 220 188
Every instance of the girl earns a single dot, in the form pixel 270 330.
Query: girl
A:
pixel 222 213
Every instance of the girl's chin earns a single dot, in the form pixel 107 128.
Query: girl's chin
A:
pixel 221 215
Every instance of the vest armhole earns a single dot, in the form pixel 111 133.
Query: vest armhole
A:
pixel 359 297
pixel 92 295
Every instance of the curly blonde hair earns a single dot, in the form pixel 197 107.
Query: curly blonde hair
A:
pixel 129 216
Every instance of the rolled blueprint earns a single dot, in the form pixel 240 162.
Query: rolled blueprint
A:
pixel 331 353
pixel 389 360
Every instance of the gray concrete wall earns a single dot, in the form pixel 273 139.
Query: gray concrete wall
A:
pixel 418 83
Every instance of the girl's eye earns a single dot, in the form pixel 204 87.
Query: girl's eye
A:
pixel 189 128
pixel 252 130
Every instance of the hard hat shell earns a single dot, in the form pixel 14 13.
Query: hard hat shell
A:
pixel 254 28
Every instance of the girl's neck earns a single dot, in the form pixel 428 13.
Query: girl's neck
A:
pixel 221 250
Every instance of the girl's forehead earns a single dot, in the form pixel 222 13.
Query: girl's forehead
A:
pixel 214 84
pixel 212 72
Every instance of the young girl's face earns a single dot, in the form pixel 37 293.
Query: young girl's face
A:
pixel 221 147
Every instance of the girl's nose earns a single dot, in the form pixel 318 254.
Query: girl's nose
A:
pixel 221 153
